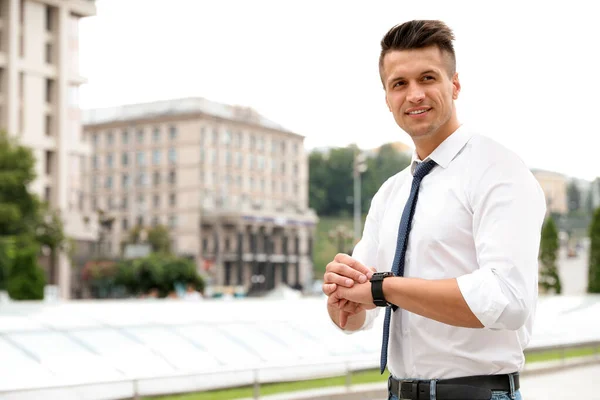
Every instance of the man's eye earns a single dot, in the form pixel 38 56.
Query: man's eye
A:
pixel 398 84
pixel 428 78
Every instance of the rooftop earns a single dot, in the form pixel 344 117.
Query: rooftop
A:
pixel 165 108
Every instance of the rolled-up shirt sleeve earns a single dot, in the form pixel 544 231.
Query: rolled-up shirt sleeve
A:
pixel 508 207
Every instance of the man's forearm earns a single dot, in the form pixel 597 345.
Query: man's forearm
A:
pixel 355 322
pixel 440 300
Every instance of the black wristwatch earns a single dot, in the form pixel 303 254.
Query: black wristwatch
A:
pixel 377 288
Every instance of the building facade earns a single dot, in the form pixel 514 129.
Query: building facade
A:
pixel 231 186
pixel 554 185
pixel 39 80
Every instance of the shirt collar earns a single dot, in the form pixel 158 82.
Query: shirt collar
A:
pixel 446 151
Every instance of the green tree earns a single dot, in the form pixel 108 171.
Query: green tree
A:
pixel 157 236
pixel 589 201
pixel 549 246
pixel 385 164
pixel 23 217
pixel 26 280
pixel 160 239
pixel 317 182
pixel 573 196
pixel 157 271
pixel 594 255
pixel 331 182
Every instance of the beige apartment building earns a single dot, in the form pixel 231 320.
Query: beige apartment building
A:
pixel 231 185
pixel 554 185
pixel 39 80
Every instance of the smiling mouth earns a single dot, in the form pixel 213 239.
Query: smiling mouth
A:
pixel 417 112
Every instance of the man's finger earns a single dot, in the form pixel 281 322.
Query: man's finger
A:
pixel 343 318
pixel 332 277
pixel 329 288
pixel 345 271
pixel 354 264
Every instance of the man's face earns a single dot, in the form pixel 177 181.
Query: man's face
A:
pixel 419 91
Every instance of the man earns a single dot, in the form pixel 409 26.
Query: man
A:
pixel 454 238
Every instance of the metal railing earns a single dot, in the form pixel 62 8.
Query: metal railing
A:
pixel 134 388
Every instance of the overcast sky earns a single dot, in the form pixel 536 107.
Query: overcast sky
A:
pixel 529 69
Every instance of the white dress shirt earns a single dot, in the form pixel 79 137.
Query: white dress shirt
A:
pixel 478 218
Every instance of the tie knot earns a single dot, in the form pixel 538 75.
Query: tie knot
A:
pixel 423 169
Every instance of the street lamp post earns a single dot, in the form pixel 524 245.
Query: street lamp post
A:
pixel 360 166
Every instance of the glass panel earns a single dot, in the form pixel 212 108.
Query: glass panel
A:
pixel 124 351
pixel 14 362
pixel 65 356
pixel 221 347
pixel 177 349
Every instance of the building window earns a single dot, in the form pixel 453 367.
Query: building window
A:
pixel 50 18
pixel 124 203
pixel 110 139
pixel 108 183
pixel 172 177
pixel 95 139
pixel 125 158
pixel 173 221
pixel 226 137
pixel 49 162
pixel 172 156
pixel 124 137
pixel 109 161
pixel 172 133
pixel 156 178
pixel 125 181
pixel 141 179
pixel 49 90
pixel 94 162
pixel 140 220
pixel 156 157
pixel 154 221
pixel 140 158
pixel 48 122
pixel 125 224
pixel 48 56
pixel 172 200
pixel 140 136
pixel 156 135
pixel 156 201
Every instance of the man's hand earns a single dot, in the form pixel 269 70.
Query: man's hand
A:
pixel 344 271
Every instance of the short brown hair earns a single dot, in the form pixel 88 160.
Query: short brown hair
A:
pixel 418 34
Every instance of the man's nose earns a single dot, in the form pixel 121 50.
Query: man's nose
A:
pixel 415 94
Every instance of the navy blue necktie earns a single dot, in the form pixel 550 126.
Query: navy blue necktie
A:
pixel 398 266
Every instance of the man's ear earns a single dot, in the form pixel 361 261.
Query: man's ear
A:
pixel 455 86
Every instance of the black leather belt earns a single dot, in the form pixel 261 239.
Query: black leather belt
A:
pixel 464 388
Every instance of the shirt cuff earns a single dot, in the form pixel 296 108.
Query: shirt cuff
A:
pixel 483 295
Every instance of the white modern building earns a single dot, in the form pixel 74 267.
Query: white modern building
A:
pixel 39 80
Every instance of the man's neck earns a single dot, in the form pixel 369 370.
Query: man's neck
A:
pixel 426 145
